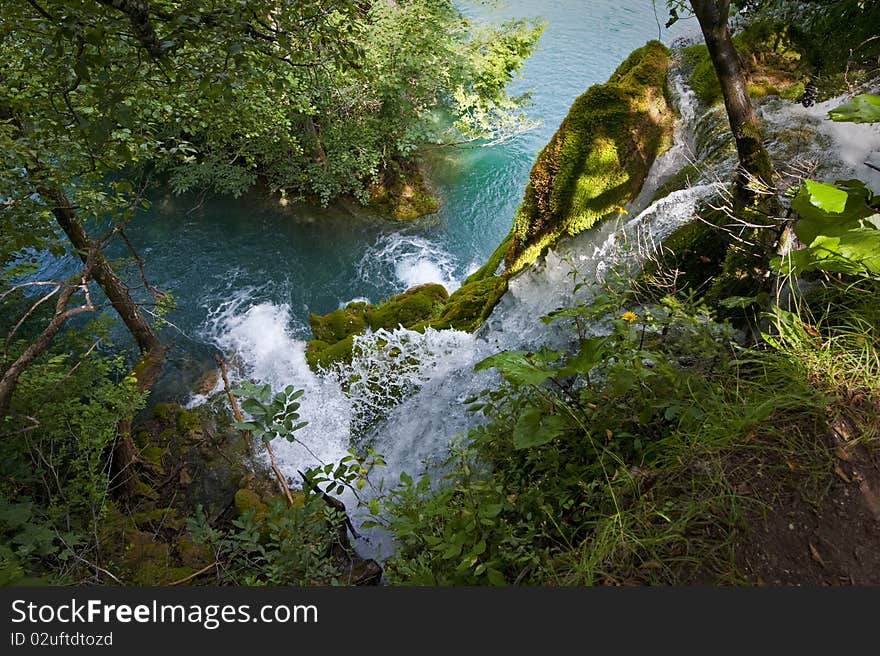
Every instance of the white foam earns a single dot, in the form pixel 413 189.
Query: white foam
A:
pixel 261 345
pixel 414 261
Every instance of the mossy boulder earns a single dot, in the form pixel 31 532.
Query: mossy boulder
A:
pixel 419 308
pixel 690 259
pixel 496 259
pixel 774 63
pixel 247 500
pixel 469 306
pixel 339 324
pixel 599 158
pixel 401 192
pixel 409 308
pixel 684 178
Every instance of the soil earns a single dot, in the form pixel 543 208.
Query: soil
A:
pixel 834 540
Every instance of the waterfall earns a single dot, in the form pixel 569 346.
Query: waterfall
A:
pixel 403 392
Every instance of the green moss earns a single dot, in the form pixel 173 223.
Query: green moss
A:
pixel 156 517
pixel 320 355
pixel 702 80
pixel 741 274
pixel 246 500
pixel 469 306
pixel 409 308
pixel 339 324
pixel 417 309
pixel 401 192
pixel 152 456
pixel 774 63
pixel 165 411
pixel 690 258
pixel 188 421
pixel 598 159
pixel 492 264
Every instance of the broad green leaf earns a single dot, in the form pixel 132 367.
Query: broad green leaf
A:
pixel 246 425
pixel 590 354
pixel 536 428
pixel 861 109
pixel 854 252
pixel 495 577
pixel 253 407
pixel 815 221
pixel 826 197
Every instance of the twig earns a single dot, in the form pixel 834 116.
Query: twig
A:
pixel 194 574
pixel 247 434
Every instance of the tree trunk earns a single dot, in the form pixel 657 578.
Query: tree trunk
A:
pixel 753 156
pixel 117 292
pixel 125 454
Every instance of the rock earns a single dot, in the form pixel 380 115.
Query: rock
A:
pixel 409 308
pixel 401 192
pixel 599 158
pixel 364 572
pixel 207 382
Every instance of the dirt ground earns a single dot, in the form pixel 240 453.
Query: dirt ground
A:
pixel 831 540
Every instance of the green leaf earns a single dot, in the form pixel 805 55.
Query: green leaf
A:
pixel 522 367
pixel 253 407
pixel 826 197
pixel 451 551
pixel 589 355
pixel 495 577
pixel 861 109
pixel 535 428
pixel 246 425
pixel 814 220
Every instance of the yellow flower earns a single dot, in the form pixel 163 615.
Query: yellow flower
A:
pixel 629 316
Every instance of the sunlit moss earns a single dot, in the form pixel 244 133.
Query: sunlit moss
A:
pixel 599 158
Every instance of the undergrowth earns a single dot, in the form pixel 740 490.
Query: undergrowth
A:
pixel 631 457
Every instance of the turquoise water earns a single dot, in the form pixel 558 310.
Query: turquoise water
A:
pixel 311 260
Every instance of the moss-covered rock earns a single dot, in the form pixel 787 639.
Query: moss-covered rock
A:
pixel 469 306
pixel 496 259
pixel 598 159
pixel 339 324
pixel 409 308
pixel 419 308
pixel 401 192
pixel 320 355
pixel 249 501
pixel 774 63
pixel 690 258
pixel 684 178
